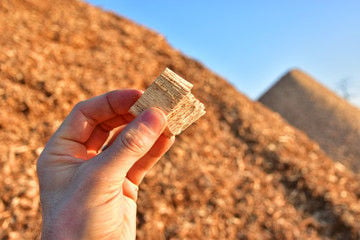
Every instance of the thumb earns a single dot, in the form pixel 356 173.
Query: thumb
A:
pixel 132 143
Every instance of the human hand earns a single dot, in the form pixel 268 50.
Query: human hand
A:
pixel 87 193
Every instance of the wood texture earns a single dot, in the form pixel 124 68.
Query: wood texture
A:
pixel 172 94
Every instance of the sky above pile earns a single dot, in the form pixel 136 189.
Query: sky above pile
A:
pixel 252 43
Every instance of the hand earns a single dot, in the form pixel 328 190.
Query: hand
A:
pixel 87 193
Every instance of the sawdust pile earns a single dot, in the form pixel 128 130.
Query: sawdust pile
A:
pixel 240 172
pixel 327 118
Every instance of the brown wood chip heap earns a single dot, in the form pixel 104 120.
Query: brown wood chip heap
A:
pixel 243 173
pixel 172 94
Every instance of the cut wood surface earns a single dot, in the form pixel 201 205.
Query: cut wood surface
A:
pixel 172 94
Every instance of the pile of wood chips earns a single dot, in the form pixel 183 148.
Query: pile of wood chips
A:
pixel 240 172
pixel 334 123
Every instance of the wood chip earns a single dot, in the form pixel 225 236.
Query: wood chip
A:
pixel 172 94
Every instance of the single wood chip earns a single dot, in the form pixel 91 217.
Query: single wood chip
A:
pixel 172 94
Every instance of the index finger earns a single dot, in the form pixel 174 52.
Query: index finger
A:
pixel 86 115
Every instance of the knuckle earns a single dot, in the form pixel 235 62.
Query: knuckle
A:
pixel 132 141
pixel 79 105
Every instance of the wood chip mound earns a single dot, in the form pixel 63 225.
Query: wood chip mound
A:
pixel 239 172
pixel 327 118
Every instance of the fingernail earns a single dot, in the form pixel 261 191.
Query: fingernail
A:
pixel 154 118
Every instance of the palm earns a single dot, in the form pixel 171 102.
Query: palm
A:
pixel 88 191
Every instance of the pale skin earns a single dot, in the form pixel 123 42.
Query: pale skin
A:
pixel 90 193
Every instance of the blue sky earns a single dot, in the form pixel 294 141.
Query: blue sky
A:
pixel 252 43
